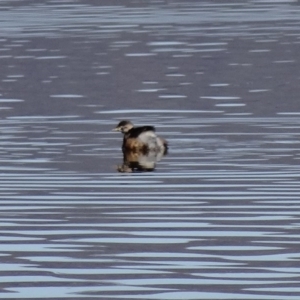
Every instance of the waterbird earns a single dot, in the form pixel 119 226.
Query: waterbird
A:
pixel 142 138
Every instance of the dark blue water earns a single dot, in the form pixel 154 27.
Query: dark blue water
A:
pixel 216 218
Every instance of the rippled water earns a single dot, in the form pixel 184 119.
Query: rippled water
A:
pixel 216 218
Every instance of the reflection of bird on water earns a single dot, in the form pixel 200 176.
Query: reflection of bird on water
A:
pixel 142 148
pixel 138 161
pixel 142 138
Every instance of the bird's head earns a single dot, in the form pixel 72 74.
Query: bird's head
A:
pixel 123 126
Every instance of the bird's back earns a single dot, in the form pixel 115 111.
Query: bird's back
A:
pixel 135 132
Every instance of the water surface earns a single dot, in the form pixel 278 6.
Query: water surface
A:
pixel 216 218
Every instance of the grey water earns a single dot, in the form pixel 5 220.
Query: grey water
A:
pixel 218 217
